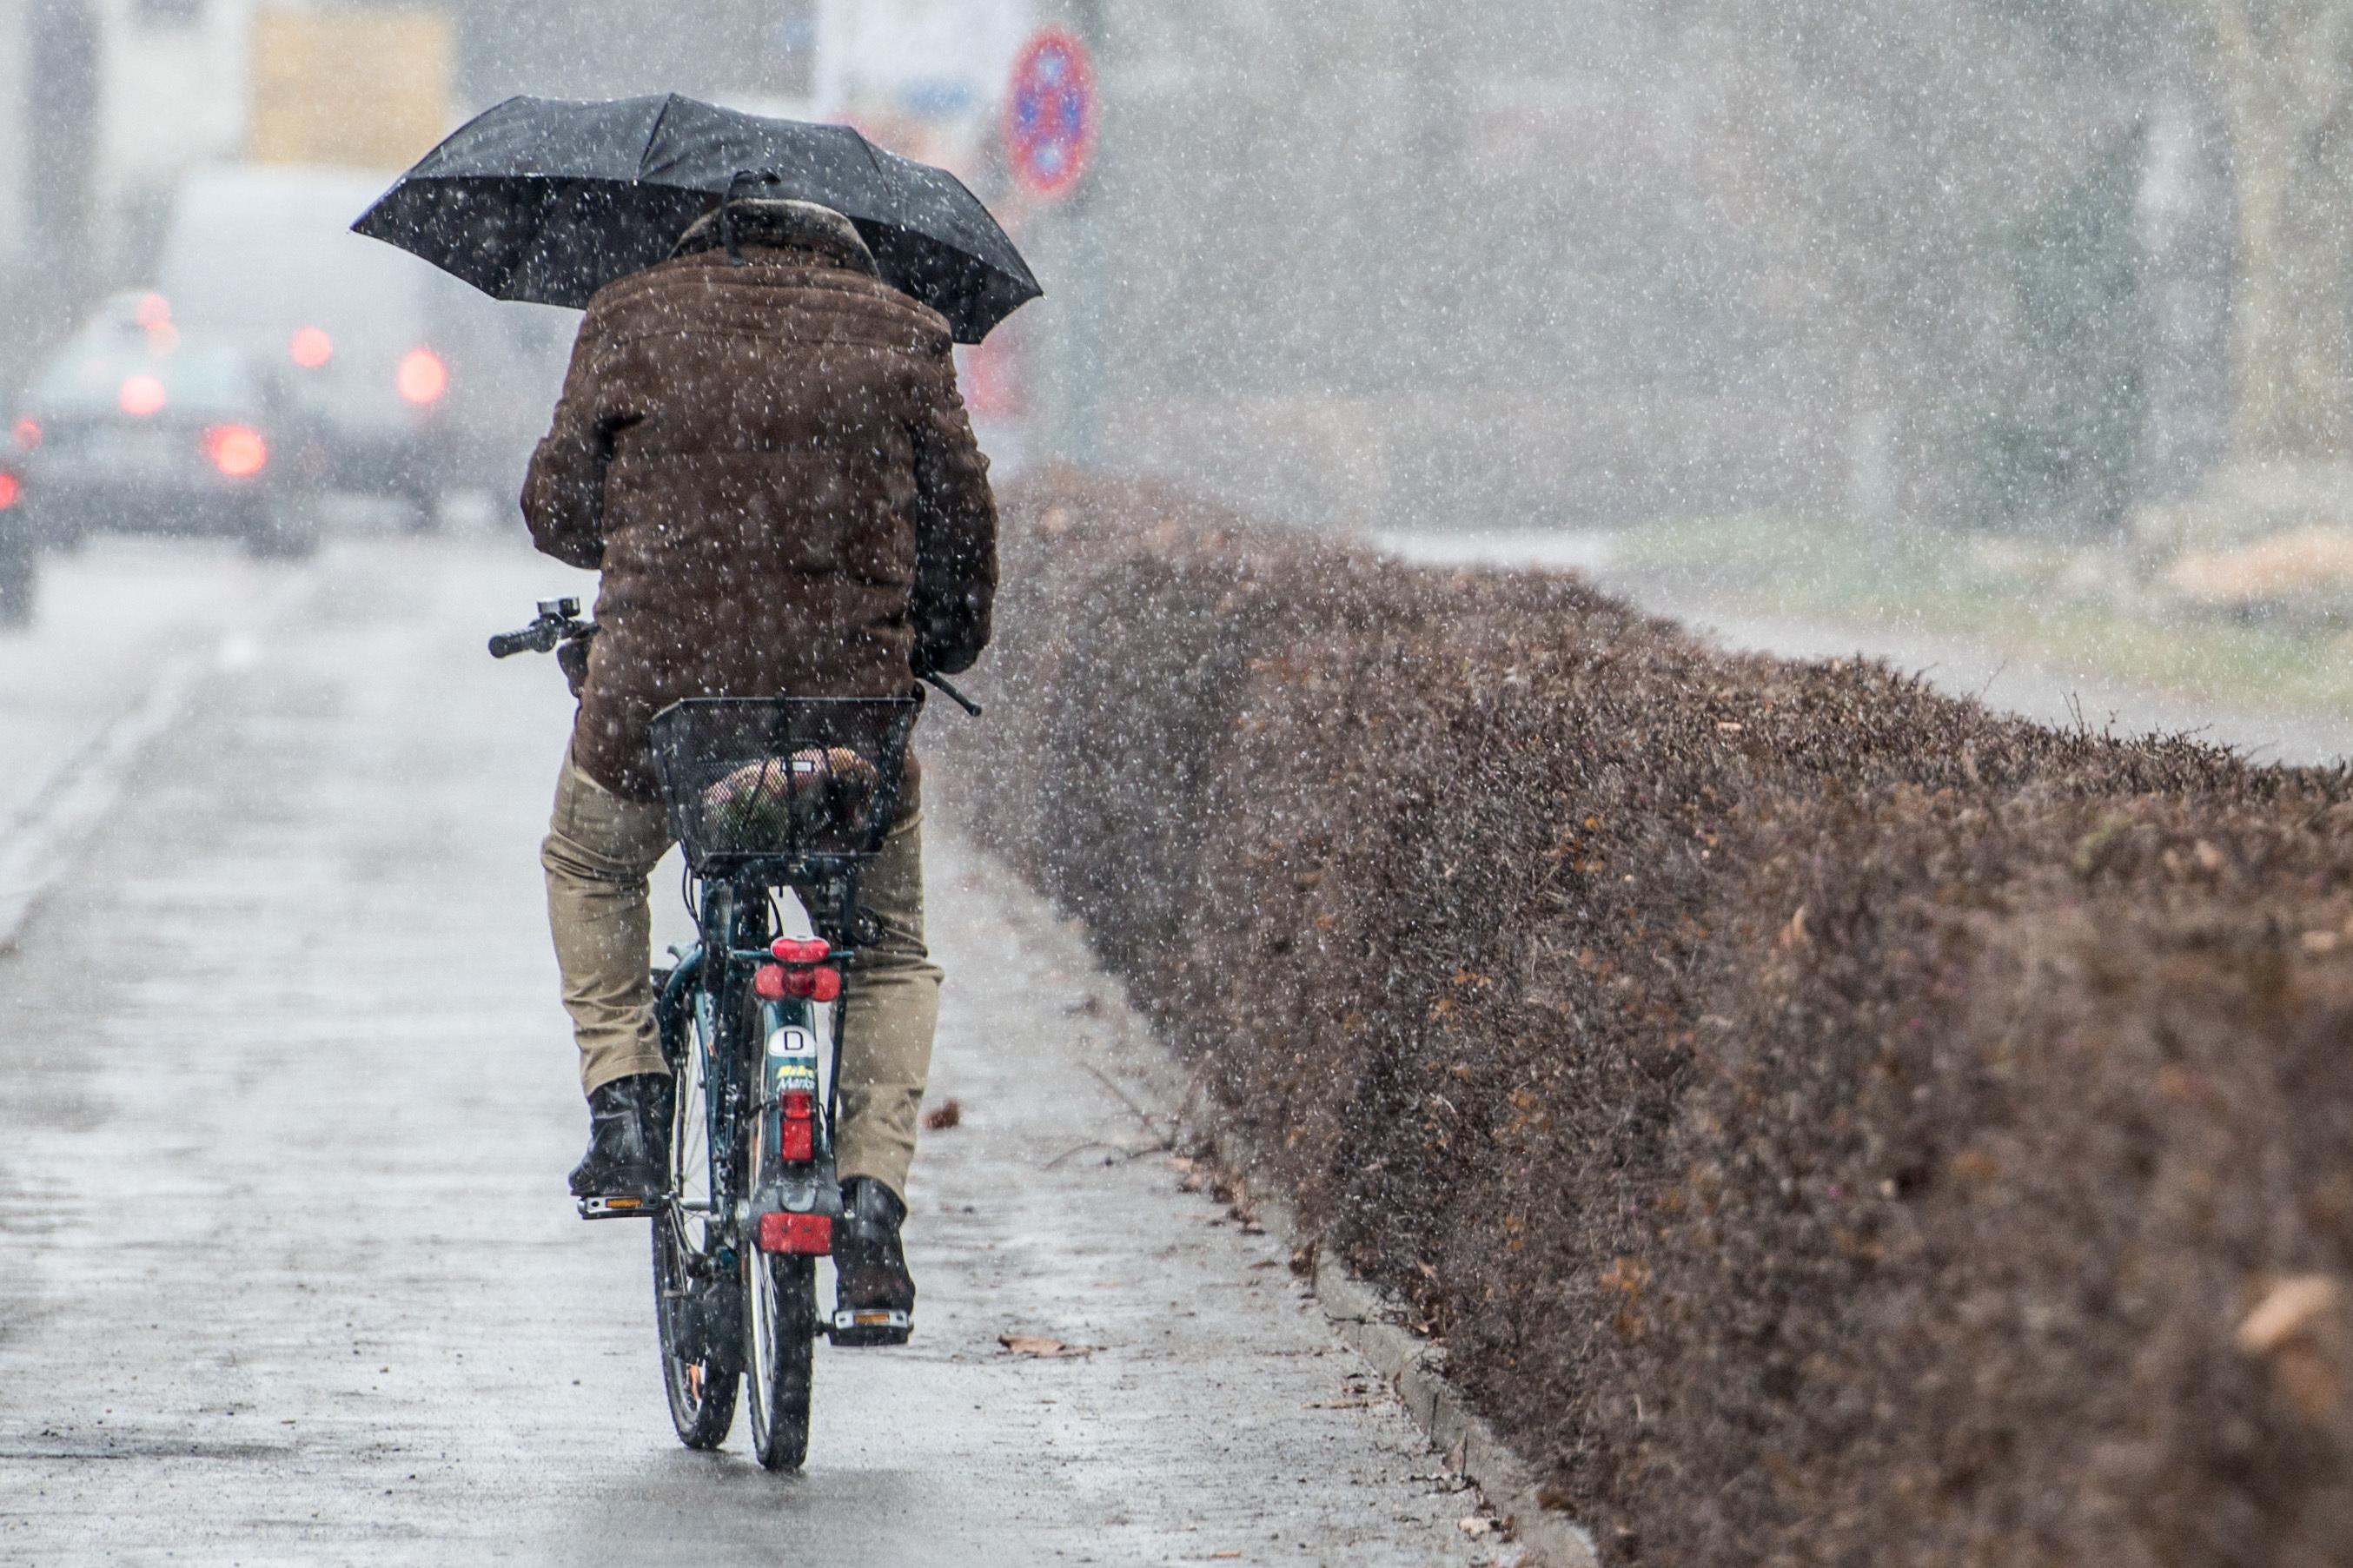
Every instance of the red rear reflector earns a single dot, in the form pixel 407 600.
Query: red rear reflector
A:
pixel 312 347
pixel 12 491
pixel 29 434
pixel 235 451
pixel 802 981
pixel 797 1142
pixel 804 1232
pixel 141 396
pixel 422 377
pixel 801 950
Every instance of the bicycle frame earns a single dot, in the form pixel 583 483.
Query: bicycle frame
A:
pixel 762 1200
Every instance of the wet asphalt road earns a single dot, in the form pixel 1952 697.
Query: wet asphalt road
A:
pixel 287 1272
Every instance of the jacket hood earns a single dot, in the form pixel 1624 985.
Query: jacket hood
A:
pixel 794 225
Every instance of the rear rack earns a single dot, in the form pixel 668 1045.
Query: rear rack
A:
pixel 781 790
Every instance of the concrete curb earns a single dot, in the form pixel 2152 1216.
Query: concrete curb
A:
pixel 1374 1326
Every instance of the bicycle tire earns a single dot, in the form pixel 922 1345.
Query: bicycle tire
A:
pixel 696 1305
pixel 781 1325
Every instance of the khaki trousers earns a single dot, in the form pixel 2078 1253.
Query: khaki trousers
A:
pixel 599 850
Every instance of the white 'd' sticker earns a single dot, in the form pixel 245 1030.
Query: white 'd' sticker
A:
pixel 791 1041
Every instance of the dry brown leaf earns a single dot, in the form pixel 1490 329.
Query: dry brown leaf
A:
pixel 2287 1310
pixel 946 1114
pixel 1975 1165
pixel 1039 1347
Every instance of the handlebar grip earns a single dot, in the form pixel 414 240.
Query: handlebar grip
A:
pixel 506 645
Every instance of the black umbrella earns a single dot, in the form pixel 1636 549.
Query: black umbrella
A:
pixel 549 199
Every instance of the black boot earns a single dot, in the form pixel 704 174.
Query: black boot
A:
pixel 627 1164
pixel 874 1296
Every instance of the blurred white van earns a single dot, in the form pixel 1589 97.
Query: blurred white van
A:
pixel 422 385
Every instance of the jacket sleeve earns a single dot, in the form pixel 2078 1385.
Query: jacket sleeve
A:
pixel 563 493
pixel 955 532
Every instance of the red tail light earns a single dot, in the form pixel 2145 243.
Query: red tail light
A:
pixel 12 489
pixel 29 434
pixel 810 1233
pixel 312 347
pixel 797 1127
pixel 238 453
pixel 141 396
pixel 774 982
pixel 154 310
pixel 801 950
pixel 422 377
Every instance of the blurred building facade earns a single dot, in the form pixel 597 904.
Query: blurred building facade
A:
pixel 1398 261
pixel 1415 264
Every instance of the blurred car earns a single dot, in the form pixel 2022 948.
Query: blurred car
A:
pixel 19 552
pixel 138 424
pixel 421 384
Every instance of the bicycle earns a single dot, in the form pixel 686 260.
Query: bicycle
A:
pixel 766 796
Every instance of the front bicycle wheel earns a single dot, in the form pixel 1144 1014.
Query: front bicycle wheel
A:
pixel 780 1318
pixel 696 1301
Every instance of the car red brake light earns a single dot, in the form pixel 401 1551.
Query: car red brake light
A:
pixel 237 452
pixel 142 396
pixel 312 347
pixel 153 312
pixel 29 434
pixel 12 489
pixel 422 377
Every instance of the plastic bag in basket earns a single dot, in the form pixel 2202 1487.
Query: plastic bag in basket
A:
pixel 781 798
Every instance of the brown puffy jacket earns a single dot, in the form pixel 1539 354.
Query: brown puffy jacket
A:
pixel 770 463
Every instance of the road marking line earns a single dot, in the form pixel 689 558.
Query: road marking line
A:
pixel 81 792
pixel 39 842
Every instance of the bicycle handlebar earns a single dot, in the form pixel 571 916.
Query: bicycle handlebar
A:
pixel 559 622
pixel 958 697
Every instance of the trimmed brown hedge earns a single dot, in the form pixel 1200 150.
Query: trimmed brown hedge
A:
pixel 1825 1121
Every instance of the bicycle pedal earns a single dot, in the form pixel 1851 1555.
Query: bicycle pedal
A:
pixel 856 1330
pixel 619 1209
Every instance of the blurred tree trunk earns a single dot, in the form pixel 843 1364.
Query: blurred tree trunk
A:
pixel 2284 81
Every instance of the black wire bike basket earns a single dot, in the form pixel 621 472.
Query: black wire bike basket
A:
pixel 784 782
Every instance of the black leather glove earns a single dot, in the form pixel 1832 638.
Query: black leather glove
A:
pixel 571 658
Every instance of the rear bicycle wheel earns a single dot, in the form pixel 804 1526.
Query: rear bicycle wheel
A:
pixel 780 1346
pixel 697 1302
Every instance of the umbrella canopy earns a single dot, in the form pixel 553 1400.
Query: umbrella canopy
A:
pixel 548 200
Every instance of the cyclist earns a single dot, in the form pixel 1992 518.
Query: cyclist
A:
pixel 761 445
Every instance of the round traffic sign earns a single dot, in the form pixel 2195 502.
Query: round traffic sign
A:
pixel 1050 114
